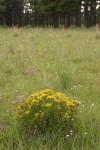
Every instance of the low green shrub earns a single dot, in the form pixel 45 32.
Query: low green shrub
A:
pixel 47 110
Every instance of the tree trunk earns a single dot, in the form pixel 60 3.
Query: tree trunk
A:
pixel 99 17
pixel 69 18
pixel 93 13
pixel 78 19
pixel 86 15
pixel 65 21
pixel 55 21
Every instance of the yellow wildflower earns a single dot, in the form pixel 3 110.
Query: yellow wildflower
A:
pixel 48 105
pixel 36 115
pixel 19 107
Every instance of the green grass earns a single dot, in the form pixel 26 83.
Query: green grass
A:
pixel 67 61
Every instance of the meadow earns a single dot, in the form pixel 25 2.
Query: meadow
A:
pixel 68 61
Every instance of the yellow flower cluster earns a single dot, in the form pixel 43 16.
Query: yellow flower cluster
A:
pixel 47 107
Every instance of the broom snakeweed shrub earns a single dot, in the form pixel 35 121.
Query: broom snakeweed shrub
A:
pixel 47 109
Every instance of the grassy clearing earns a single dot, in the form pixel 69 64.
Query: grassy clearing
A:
pixel 33 59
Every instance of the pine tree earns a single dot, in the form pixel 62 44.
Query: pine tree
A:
pixel 2 12
pixel 14 12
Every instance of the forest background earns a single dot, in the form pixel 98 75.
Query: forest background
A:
pixel 50 13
